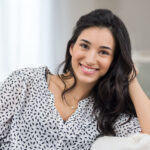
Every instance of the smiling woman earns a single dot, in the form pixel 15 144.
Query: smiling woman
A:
pixel 92 55
pixel 97 94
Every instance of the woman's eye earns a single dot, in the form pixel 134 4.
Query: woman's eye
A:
pixel 84 46
pixel 104 52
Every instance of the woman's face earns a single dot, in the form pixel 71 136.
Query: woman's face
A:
pixel 92 54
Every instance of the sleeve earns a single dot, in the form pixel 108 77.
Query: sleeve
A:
pixel 124 129
pixel 11 92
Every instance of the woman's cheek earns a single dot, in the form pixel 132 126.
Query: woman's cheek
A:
pixel 79 54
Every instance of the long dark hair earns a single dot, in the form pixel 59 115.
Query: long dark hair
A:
pixel 111 94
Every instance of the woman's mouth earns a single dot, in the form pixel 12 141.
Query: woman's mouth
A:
pixel 88 70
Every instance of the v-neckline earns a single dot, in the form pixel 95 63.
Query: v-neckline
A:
pixel 76 112
pixel 48 80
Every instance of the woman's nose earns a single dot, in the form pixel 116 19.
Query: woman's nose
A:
pixel 91 58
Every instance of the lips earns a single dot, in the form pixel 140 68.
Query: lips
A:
pixel 88 70
pixel 89 67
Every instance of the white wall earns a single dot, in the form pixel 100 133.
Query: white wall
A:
pixel 67 12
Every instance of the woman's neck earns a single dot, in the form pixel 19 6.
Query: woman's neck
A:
pixel 80 91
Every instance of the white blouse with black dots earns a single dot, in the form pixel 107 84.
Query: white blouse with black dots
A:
pixel 30 121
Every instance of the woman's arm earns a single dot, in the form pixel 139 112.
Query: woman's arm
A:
pixel 141 103
pixel 11 92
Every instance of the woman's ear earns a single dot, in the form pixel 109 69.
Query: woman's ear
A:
pixel 71 49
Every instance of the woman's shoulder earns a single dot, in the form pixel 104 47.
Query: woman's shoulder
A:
pixel 26 74
pixel 31 71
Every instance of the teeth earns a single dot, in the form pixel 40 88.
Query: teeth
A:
pixel 88 69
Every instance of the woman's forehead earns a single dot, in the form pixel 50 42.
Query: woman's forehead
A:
pixel 98 36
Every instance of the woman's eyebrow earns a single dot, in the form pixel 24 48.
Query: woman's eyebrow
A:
pixel 102 47
pixel 86 41
pixel 105 47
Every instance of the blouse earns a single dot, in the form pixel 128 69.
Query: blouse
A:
pixel 29 119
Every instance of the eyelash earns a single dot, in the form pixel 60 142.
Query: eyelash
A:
pixel 85 46
pixel 104 52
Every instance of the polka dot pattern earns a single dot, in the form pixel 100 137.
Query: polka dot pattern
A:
pixel 30 121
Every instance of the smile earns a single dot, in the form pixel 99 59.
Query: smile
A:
pixel 88 70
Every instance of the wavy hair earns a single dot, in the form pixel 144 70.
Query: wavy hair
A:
pixel 111 92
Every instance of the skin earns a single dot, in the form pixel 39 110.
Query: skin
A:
pixel 142 105
pixel 93 49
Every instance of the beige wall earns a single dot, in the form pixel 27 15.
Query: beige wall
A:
pixel 134 13
pixel 136 16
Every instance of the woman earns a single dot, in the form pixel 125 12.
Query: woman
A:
pixel 97 94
